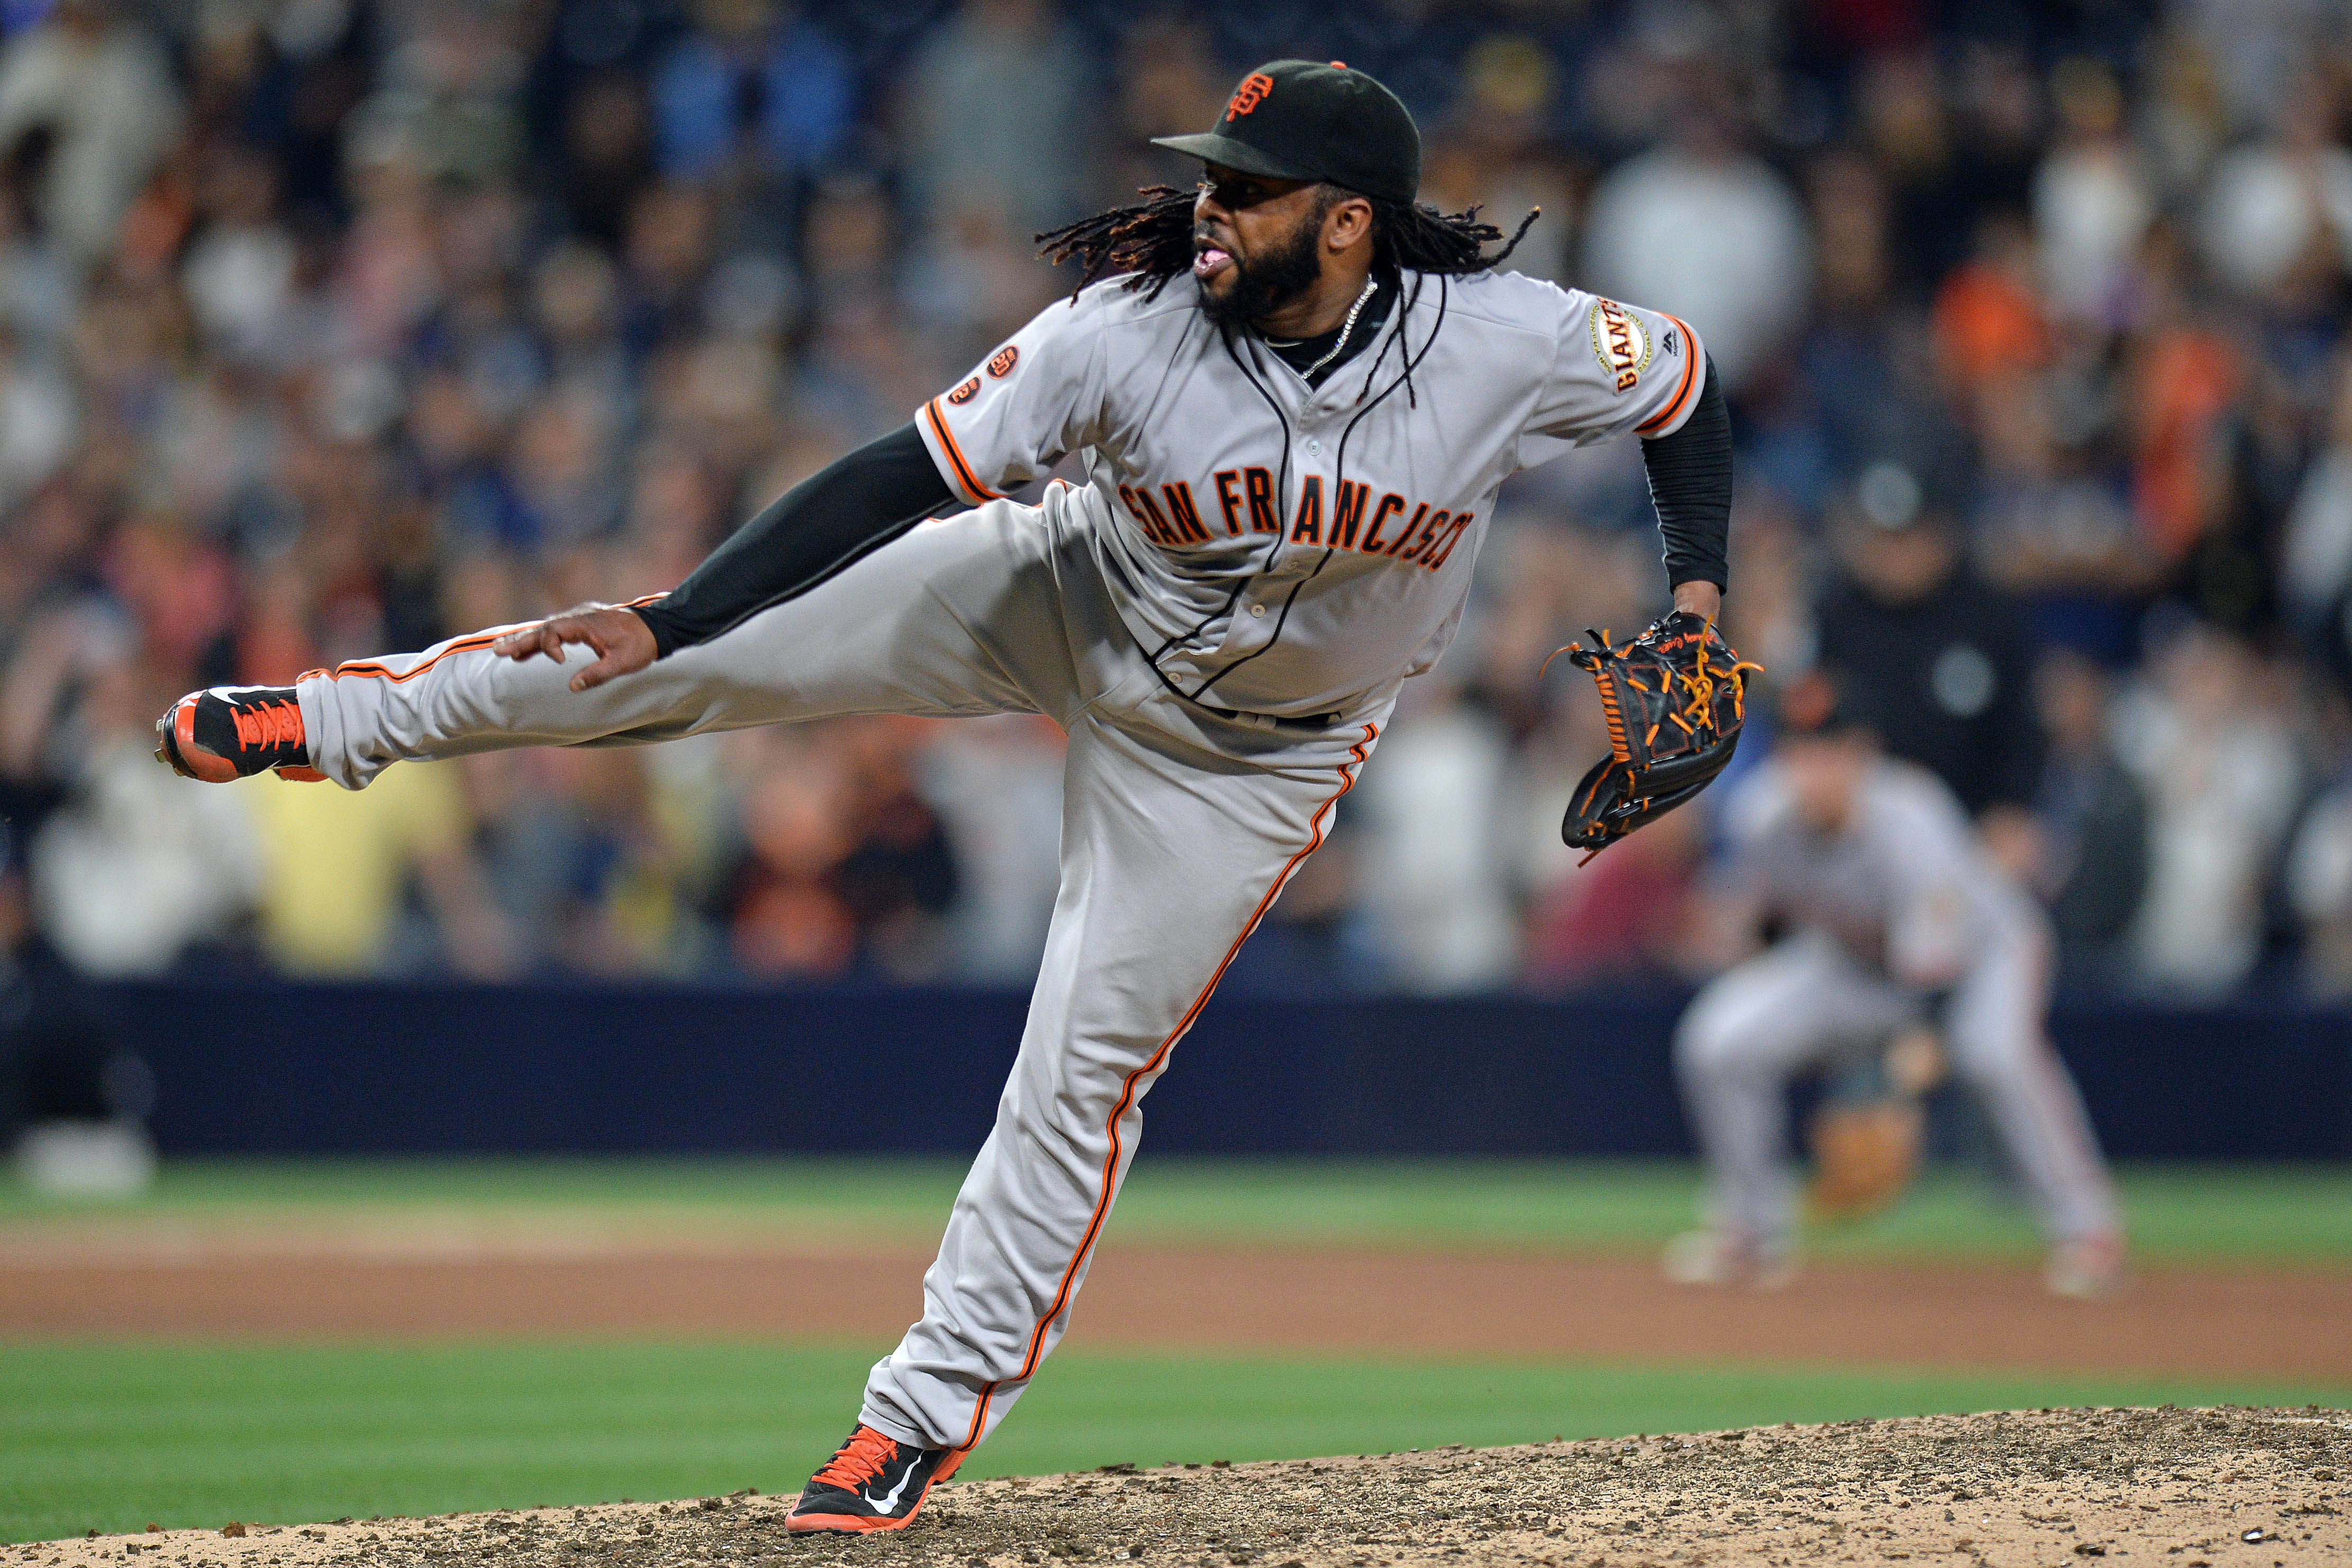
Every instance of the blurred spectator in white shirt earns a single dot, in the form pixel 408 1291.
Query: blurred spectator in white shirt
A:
pixel 1427 853
pixel 996 785
pixel 136 865
pixel 2221 774
pixel 97 86
pixel 2091 203
pixel 1701 223
pixel 239 272
pixel 2281 208
pixel 38 418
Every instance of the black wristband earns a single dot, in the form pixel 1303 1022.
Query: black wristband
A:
pixel 664 629
pixel 1690 484
pixel 811 533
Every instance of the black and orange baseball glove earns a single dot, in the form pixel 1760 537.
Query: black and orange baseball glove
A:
pixel 1674 698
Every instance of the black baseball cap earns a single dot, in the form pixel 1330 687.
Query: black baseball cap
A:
pixel 1295 119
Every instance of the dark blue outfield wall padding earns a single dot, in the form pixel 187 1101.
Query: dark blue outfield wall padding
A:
pixel 272 1068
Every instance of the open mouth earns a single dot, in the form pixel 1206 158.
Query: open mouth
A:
pixel 1208 260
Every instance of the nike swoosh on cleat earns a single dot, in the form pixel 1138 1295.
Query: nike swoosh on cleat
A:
pixel 886 1504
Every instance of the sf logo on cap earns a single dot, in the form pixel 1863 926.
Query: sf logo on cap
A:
pixel 1252 92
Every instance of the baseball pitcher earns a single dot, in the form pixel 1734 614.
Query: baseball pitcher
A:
pixel 1892 914
pixel 1292 395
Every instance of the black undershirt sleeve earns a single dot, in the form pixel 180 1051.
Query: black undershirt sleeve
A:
pixel 813 532
pixel 1690 484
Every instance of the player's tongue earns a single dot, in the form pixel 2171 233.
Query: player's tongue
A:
pixel 1208 256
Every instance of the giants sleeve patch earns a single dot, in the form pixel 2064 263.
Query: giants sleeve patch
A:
pixel 1620 343
pixel 963 395
pixel 1000 363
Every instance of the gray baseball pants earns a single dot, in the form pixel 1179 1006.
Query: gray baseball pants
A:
pixel 1179 829
pixel 1806 1003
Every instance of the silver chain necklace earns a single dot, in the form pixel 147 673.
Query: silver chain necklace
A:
pixel 1346 328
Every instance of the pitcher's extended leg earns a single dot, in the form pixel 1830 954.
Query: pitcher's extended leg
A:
pixel 959 616
pixel 1169 859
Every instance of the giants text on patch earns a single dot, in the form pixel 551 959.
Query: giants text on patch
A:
pixel 1620 343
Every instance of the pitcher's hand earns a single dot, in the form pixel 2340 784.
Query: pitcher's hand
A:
pixel 623 643
pixel 1700 598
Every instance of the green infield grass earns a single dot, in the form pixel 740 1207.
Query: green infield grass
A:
pixel 113 1436
pixel 2285 1214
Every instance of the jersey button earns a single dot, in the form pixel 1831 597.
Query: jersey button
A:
pixel 1314 448
pixel 1257 609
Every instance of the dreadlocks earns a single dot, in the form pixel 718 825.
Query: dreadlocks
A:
pixel 1415 234
pixel 1153 240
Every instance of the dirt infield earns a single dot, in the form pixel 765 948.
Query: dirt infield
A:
pixel 2246 1323
pixel 2228 1489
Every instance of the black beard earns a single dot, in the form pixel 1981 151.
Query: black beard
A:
pixel 1262 286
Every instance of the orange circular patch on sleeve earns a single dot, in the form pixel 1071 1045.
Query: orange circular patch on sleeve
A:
pixel 1000 363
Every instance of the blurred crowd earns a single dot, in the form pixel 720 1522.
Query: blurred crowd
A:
pixel 334 327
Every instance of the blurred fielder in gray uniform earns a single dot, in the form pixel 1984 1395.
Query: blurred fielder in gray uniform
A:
pixel 1891 913
pixel 1292 399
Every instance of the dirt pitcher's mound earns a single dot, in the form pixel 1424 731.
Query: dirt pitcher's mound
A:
pixel 2185 1489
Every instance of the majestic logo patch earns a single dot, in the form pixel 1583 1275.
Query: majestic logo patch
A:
pixel 1620 343
pixel 1252 92
pixel 1000 363
pixel 963 393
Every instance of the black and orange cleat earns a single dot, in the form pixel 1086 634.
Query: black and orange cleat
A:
pixel 229 732
pixel 872 1482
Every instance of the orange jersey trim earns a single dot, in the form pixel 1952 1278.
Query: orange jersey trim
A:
pixel 1665 415
pixel 1358 752
pixel 971 480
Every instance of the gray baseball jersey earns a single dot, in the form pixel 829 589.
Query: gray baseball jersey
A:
pixel 1902 902
pixel 1219 618
pixel 1906 888
pixel 1286 550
